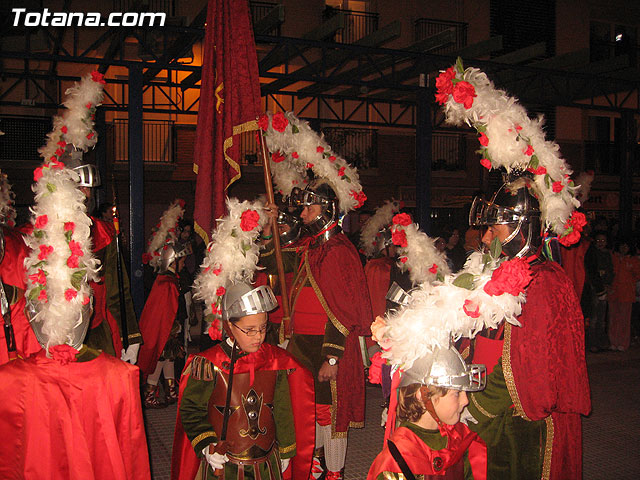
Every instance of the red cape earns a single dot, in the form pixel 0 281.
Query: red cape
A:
pixel 377 272
pixel 336 267
pixel 420 458
pixel 573 263
pixel 74 422
pixel 548 364
pixel 184 463
pixel 156 320
pixel 12 272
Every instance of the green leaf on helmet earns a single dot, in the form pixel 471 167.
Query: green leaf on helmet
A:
pixel 495 248
pixel 465 280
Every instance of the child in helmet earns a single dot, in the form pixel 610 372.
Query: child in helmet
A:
pixel 431 442
pixel 265 427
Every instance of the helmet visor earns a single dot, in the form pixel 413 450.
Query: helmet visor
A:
pixel 473 380
pixel 258 300
pixel 488 213
pixel 305 198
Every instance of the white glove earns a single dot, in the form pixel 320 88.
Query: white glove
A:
pixel 467 418
pixel 131 354
pixel 216 460
pixel 284 464
pixel 383 417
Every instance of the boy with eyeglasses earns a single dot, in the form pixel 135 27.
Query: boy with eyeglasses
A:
pixel 267 425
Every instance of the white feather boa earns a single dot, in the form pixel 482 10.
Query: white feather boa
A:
pixel 438 313
pixel 76 126
pixel 378 221
pixel 7 199
pixel 295 148
pixel 61 261
pixel 164 233
pixel 232 256
pixel 510 139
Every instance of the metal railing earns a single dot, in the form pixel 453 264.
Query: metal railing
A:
pixel 448 151
pixel 356 26
pixel 358 146
pixel 427 27
pixel 604 158
pixel 259 10
pixel 156 6
pixel 23 136
pixel 157 141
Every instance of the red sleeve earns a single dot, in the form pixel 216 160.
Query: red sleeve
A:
pixel 377 272
pixel 547 353
pixel 102 233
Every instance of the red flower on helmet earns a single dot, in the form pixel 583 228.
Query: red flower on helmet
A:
pixel 434 269
pixel 277 157
pixel 70 294
pixel 471 308
pixel 279 122
pixel 557 186
pixel 529 151
pixel 341 171
pixel 146 257
pixel 320 149
pixel 221 291
pixel 403 219
pixel 42 296
pixel 72 261
pixel 510 277
pixel 69 227
pixel 76 248
pixel 537 171
pixel 486 163
pixel 444 84
pixel 249 220
pixel 41 221
pixel 45 251
pixel 483 139
pixel 263 122
pixel 39 277
pixel 464 93
pixel 98 77
pixel 399 237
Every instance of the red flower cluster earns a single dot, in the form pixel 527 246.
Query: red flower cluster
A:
pixel 444 84
pixel 399 237
pixel 529 151
pixel 45 251
pixel 320 149
pixel 146 257
pixel 279 122
pixel 277 157
pixel 403 219
pixel 98 77
pixel 249 220
pixel 341 171
pixel 221 291
pixel 464 93
pixel 214 333
pixel 39 277
pixel 70 294
pixel 471 308
pixel 510 277
pixel 486 163
pixel 557 186
pixel 483 139
pixel 69 227
pixel 434 269
pixel 360 197
pixel 41 221
pixel 263 123
pixel 537 171
pixel 573 229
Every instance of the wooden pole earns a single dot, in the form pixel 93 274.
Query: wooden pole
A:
pixel 286 316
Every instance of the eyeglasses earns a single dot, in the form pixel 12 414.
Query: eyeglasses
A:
pixel 253 331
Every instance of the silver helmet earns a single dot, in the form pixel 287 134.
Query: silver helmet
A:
pixel 397 294
pixel 317 192
pixel 88 173
pixel 243 299
pixel 74 337
pixel 445 368
pixel 290 235
pixel 513 204
pixel 173 252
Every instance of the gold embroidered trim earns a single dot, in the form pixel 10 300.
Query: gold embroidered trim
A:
pixel 288 449
pixel 201 437
pixel 228 143
pixel 508 373
pixel 266 254
pixel 195 168
pixel 336 323
pixel 333 345
pixel 134 335
pixel 203 369
pixel 465 353
pixel 480 408
pixel 548 449
pixel 196 226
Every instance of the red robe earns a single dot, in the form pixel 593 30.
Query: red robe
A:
pixel 421 459
pixel 184 463
pixel 78 421
pixel 156 320
pixel 336 267
pixel 12 273
pixel 377 271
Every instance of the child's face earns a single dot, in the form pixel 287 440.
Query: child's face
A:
pixel 250 331
pixel 450 406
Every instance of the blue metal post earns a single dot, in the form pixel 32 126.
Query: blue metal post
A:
pixel 423 157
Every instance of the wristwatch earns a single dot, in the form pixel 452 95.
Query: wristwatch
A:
pixel 332 361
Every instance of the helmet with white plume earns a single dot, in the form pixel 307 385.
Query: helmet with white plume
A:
pixel 243 299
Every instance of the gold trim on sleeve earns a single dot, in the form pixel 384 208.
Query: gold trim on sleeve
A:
pixel 548 449
pixel 333 345
pixel 480 408
pixel 201 437
pixel 288 449
pixel 508 373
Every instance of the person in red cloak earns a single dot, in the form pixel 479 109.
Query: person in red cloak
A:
pixel 537 387
pixel 431 441
pixel 160 326
pixel 273 431
pixel 331 309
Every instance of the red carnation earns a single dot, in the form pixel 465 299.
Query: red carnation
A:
pixel 471 308
pixel 90 135
pixel 399 237
pixel 220 291
pixel 76 248
pixel 72 261
pixel 578 220
pixel 277 157
pixel 464 92
pixel 444 83
pixel 570 238
pixel 249 220
pixel 39 277
pixel 486 163
pixel 434 269
pixel 279 122
pixel 537 171
pixel 217 271
pixel 69 227
pixel 146 257
pixel 59 152
pixel 557 186
pixel 295 155
pixel 320 149
pixel 263 122
pixel 62 143
pixel 97 77
pixel 214 333
pixel 403 259
pixel 37 174
pixel 309 165
pixel 45 251
pixel 359 197
pixel 88 105
pixel 510 277
pixel 55 164
pixel 529 151
pixel 483 139
pixel 332 158
pixel 85 300
pixel 42 296
pixel 41 221
pixel 341 171
pixel 64 129
pixel 403 219
pixel 70 294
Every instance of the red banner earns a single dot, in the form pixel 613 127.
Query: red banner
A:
pixel 229 104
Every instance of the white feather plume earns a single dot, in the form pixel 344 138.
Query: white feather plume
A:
pixel 7 199
pixel 61 238
pixel 420 255
pixel 379 220
pixel 164 233
pixel 297 148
